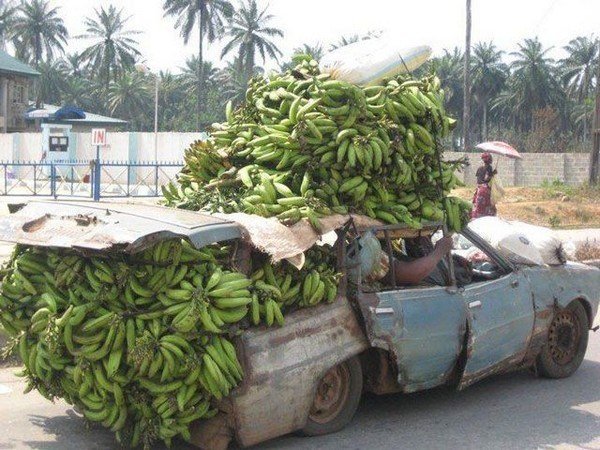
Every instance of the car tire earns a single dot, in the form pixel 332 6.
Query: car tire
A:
pixel 566 343
pixel 336 399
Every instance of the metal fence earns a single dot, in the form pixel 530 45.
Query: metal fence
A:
pixel 86 179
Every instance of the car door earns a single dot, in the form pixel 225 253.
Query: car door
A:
pixel 423 329
pixel 500 316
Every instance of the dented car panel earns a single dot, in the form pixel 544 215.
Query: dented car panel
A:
pixel 422 328
pixel 283 366
pixel 501 319
pixel 486 328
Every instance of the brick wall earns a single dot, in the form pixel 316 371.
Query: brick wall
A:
pixel 532 170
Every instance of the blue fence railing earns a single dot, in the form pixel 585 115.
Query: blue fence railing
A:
pixel 86 178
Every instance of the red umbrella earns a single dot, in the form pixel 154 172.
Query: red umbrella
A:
pixel 499 148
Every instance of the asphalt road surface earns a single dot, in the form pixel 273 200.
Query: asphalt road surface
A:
pixel 514 411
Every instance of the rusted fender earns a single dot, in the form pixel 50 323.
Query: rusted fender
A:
pixel 283 366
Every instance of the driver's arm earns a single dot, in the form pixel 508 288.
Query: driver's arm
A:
pixel 413 272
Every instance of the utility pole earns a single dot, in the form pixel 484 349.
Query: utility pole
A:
pixel 595 153
pixel 467 81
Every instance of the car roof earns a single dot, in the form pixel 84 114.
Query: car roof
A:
pixel 105 226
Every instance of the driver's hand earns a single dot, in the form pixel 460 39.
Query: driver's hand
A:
pixel 444 245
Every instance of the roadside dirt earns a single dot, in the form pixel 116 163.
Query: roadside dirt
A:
pixel 555 206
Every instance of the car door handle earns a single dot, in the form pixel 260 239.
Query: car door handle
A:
pixel 475 304
pixel 514 283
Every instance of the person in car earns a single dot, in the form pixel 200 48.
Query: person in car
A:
pixel 423 263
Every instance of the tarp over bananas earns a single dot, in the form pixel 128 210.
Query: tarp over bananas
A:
pixel 304 146
pixel 142 343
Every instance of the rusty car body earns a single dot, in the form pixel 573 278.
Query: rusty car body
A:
pixel 405 338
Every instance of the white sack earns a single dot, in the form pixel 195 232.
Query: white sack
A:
pixel 545 240
pixel 505 237
pixel 369 61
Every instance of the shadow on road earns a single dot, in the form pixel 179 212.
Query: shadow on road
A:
pixel 512 411
pixel 516 410
pixel 70 431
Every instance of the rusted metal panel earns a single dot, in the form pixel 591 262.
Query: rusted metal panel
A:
pixel 501 321
pixel 110 226
pixel 283 366
pixel 423 330
pixel 557 286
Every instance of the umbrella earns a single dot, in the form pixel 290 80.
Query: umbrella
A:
pixel 499 148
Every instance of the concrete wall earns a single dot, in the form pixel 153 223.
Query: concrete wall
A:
pixel 532 170
pixel 121 146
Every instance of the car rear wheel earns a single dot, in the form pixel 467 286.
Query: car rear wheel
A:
pixel 566 343
pixel 336 399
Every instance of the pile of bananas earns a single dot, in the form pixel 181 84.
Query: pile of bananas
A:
pixel 305 146
pixel 141 343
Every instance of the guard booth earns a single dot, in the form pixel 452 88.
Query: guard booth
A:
pixel 56 140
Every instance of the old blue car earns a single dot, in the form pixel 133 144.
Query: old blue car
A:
pixel 385 339
pixel 310 374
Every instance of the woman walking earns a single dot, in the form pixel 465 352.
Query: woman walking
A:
pixel 482 200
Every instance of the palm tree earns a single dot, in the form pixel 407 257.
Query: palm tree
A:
pixel 40 31
pixel 129 98
pixel 347 40
pixel 7 14
pixel 532 86
pixel 489 75
pixel 51 82
pixel 72 64
pixel 250 33
pixel 314 51
pixel 172 100
pixel 582 114
pixel 449 68
pixel 578 68
pixel 209 17
pixel 234 82
pixel 189 75
pixel 114 49
pixel 79 92
pixel 578 72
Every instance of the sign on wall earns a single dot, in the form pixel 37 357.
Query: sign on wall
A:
pixel 98 136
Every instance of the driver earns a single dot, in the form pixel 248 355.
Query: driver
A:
pixel 412 270
pixel 423 263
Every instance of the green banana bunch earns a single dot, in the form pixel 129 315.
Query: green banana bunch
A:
pixel 303 146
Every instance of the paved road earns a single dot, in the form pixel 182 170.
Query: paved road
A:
pixel 516 411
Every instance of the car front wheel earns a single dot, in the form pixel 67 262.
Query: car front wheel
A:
pixel 336 399
pixel 566 343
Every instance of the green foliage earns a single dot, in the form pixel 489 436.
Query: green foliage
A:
pixel 114 50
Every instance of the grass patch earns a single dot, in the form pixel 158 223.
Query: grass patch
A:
pixel 588 250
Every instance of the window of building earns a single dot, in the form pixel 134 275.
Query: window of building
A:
pixel 19 94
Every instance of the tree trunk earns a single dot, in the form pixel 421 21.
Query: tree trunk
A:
pixel 595 150
pixel 484 130
pixel 200 70
pixel 466 80
pixel 38 51
pixel 249 63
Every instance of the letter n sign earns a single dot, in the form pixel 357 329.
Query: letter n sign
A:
pixel 98 136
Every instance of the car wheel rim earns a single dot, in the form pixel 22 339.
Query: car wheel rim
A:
pixel 563 337
pixel 332 393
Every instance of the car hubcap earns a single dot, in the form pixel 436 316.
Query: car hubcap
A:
pixel 563 338
pixel 331 394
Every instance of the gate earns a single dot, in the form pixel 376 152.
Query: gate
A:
pixel 86 179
